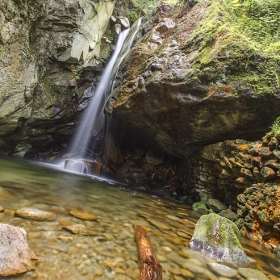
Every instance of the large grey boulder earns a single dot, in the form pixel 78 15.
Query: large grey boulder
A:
pixel 15 254
pixel 218 238
pixel 46 51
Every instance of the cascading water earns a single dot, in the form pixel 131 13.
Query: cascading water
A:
pixel 92 121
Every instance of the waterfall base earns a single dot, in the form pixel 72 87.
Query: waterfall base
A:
pixel 83 166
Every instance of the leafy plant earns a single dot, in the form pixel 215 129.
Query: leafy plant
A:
pixel 259 18
pixel 75 72
pixel 275 128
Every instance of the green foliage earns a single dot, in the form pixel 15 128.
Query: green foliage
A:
pixel 76 73
pixel 144 6
pixel 139 8
pixel 245 33
pixel 260 19
pixel 133 16
pixel 108 40
pixel 275 129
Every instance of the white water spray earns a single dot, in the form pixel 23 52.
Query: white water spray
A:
pixel 92 120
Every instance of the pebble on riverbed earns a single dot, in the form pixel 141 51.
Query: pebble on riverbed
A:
pixel 222 270
pixel 83 215
pixel 251 274
pixel 77 229
pixel 35 214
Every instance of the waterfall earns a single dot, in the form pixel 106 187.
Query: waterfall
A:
pixel 92 120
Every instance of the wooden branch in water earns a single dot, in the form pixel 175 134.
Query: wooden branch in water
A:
pixel 150 267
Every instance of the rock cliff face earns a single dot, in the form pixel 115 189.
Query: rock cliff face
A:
pixel 47 49
pixel 188 83
pixel 245 176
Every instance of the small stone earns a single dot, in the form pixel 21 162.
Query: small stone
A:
pixel 184 254
pixel 174 218
pixel 83 215
pixel 166 249
pixel 184 234
pixel 65 238
pixel 188 223
pixel 276 153
pixel 200 207
pixel 257 173
pixel 246 172
pixel 186 273
pixel 4 195
pixel 159 224
pixel 252 274
pixel 222 270
pixel 268 173
pixel 1 209
pixel 272 164
pixel 229 215
pixel 216 205
pixel 35 214
pixel 77 229
pixel 265 152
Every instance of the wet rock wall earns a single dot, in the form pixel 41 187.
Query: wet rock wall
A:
pixel 50 52
pixel 245 176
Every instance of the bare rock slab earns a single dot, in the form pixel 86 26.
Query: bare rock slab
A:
pixel 15 255
pixel 35 214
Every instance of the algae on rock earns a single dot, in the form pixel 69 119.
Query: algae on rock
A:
pixel 218 238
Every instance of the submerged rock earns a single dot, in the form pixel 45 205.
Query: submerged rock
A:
pixel 83 215
pixel 15 254
pixel 251 274
pixel 218 238
pixel 35 214
pixel 77 229
pixel 4 195
pixel 222 269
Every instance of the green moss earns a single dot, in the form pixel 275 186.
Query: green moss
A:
pixel 236 46
pixel 275 130
pixel 219 231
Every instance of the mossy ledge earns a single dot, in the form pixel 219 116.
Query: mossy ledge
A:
pixel 238 46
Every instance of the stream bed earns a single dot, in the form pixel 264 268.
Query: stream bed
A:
pixel 106 249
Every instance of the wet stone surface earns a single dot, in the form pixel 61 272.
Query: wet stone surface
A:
pixel 73 248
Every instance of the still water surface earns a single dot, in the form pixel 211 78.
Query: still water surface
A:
pixel 109 251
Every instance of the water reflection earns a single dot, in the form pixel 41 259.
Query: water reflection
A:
pixel 107 250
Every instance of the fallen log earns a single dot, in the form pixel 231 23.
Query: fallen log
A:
pixel 150 267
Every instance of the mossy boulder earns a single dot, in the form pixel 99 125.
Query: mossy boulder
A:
pixel 200 207
pixel 218 238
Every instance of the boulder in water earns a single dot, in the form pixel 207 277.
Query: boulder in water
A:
pixel 218 238
pixel 35 214
pixel 16 256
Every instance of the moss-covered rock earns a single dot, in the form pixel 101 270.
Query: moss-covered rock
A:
pixel 197 76
pixel 200 207
pixel 218 238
